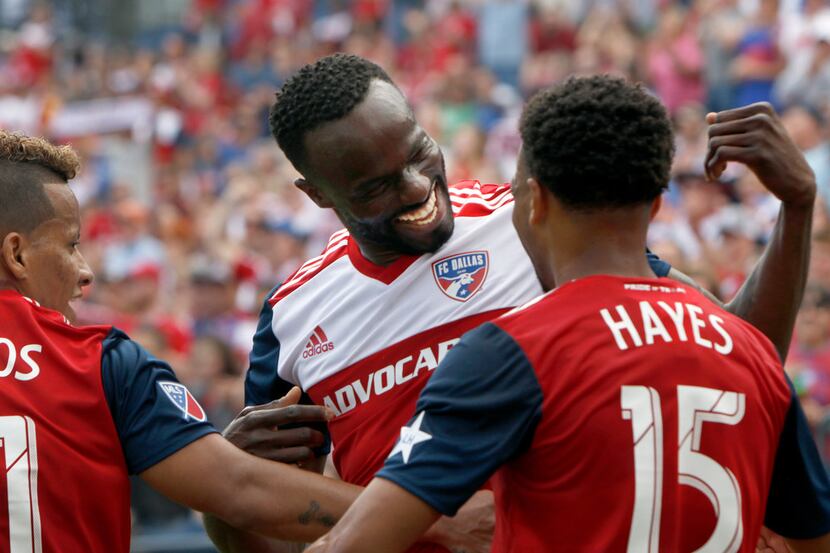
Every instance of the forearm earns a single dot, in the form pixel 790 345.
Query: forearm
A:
pixel 269 498
pixel 772 294
pixel 228 539
pixel 386 519
pixel 817 545
pixel 289 503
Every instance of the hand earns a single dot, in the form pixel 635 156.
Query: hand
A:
pixel 470 530
pixel 770 542
pixel 753 135
pixel 257 429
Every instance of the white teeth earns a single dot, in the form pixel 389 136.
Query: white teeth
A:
pixel 424 214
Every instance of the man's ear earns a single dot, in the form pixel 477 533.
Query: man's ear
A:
pixel 539 207
pixel 655 207
pixel 317 196
pixel 11 255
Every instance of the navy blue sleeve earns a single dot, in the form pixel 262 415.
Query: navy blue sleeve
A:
pixel 478 411
pixel 154 415
pixel 798 505
pixel 660 267
pixel 262 382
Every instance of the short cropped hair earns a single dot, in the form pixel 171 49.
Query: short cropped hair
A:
pixel 598 142
pixel 26 164
pixel 324 91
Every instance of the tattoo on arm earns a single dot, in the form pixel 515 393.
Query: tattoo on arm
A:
pixel 314 514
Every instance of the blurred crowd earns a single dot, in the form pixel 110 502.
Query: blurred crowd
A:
pixel 189 211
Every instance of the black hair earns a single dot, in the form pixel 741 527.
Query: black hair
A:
pixel 324 91
pixel 598 142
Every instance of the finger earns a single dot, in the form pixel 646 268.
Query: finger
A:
pixel 291 398
pixel 746 139
pixel 286 415
pixel 263 439
pixel 721 156
pixel 711 118
pixel 274 404
pixel 741 126
pixel 745 111
pixel 713 170
pixel 294 437
pixel 290 455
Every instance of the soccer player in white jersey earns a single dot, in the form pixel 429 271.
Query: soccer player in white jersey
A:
pixel 361 327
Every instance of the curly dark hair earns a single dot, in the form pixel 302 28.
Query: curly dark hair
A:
pixel 598 142
pixel 324 91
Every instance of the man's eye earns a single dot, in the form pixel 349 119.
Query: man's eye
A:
pixel 375 191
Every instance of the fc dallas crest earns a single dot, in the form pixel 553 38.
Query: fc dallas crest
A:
pixel 461 275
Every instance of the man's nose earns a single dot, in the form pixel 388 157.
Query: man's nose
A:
pixel 86 274
pixel 415 187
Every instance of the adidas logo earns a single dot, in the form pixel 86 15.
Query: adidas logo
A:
pixel 318 343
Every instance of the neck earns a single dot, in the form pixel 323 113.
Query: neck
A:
pixel 378 255
pixel 609 243
pixel 7 284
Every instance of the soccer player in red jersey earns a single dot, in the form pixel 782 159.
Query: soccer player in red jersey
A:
pixel 81 408
pixel 421 261
pixel 617 412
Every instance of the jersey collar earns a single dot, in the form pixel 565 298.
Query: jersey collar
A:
pixel 383 273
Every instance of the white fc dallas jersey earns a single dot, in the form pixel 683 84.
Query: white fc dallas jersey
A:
pixel 363 339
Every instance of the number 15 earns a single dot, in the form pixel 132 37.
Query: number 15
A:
pixel 695 405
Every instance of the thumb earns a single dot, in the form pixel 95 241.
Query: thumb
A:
pixel 291 398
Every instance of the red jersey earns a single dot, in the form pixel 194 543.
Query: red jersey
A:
pixel 80 409
pixel 617 414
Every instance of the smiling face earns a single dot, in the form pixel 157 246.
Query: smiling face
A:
pixel 383 175
pixel 53 270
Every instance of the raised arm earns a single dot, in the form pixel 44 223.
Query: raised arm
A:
pixel 753 135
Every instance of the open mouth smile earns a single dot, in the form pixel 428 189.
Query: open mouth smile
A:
pixel 423 215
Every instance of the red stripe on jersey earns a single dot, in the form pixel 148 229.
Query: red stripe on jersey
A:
pixel 473 199
pixel 336 249
pixel 319 332
pixel 469 198
pixel 314 340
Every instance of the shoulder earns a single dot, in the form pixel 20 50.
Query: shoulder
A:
pixel 489 345
pixel 120 351
pixel 471 198
pixel 123 360
pixel 337 247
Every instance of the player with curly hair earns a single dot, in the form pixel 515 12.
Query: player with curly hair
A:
pixel 618 412
pixel 362 327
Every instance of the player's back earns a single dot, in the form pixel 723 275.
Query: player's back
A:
pixel 659 425
pixel 65 486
